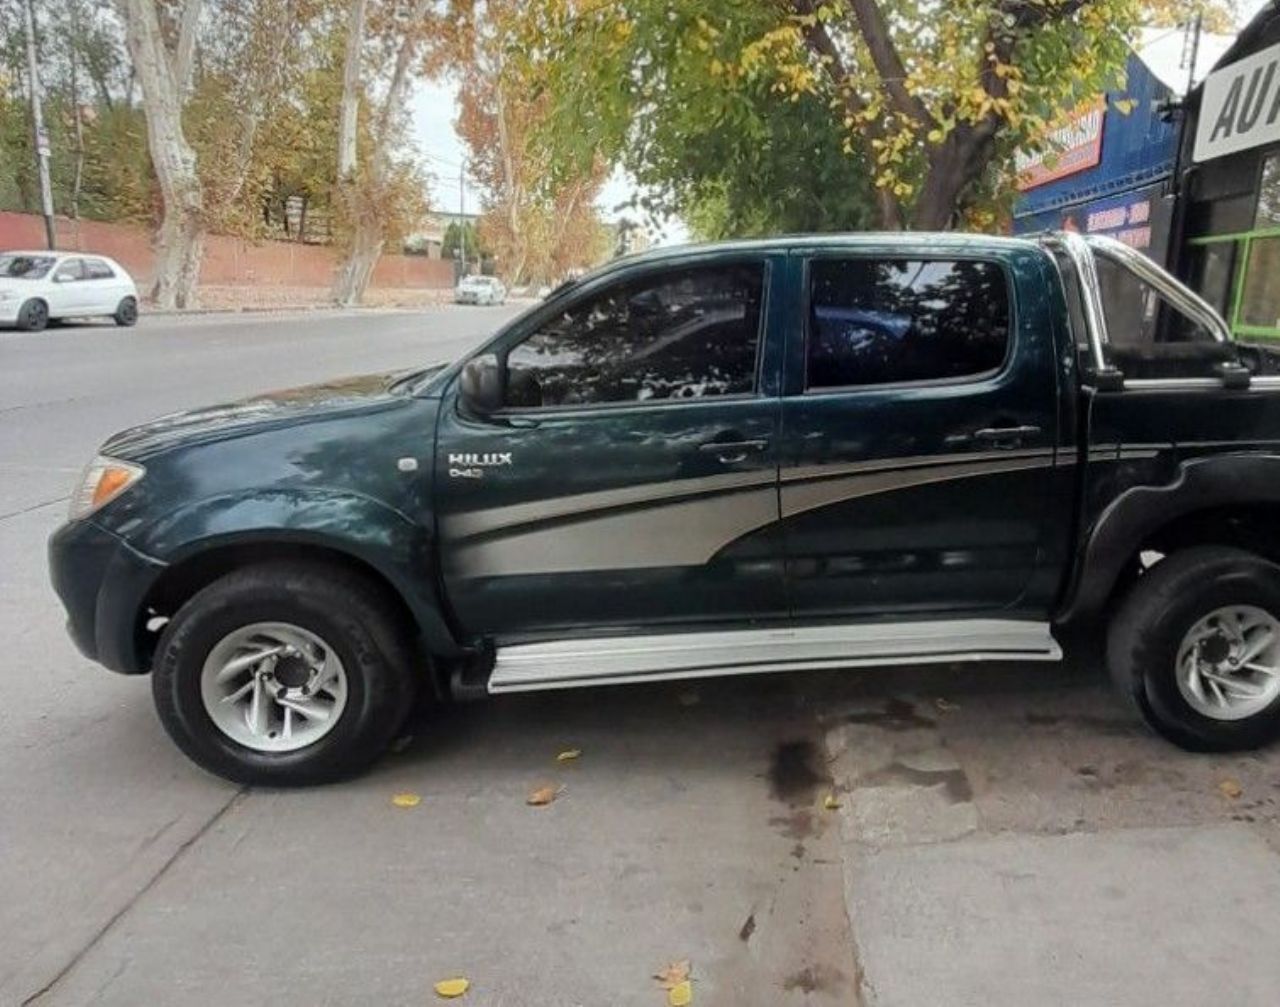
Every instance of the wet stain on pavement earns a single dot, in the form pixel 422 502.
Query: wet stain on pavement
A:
pixel 897 715
pixel 799 824
pixel 796 772
pixel 953 781
pixel 814 979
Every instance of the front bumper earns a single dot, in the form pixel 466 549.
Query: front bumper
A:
pixel 103 582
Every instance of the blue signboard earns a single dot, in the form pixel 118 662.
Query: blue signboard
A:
pixel 1138 149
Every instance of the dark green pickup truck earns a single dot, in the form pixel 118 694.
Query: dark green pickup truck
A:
pixel 760 456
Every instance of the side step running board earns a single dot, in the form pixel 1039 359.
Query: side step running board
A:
pixel 615 660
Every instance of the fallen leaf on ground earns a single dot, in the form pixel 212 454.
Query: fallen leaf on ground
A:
pixel 681 994
pixel 945 705
pixel 542 795
pixel 831 802
pixel 671 976
pixel 1230 788
pixel 450 988
pixel 569 754
pixel 406 800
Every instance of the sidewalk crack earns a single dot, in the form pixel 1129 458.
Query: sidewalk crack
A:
pixel 106 928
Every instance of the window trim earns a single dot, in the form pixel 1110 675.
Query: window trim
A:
pixel 762 262
pixel 976 378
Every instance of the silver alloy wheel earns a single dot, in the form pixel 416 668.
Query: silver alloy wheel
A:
pixel 273 687
pixel 1229 663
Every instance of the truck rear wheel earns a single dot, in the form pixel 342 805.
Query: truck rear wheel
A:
pixel 283 675
pixel 1196 648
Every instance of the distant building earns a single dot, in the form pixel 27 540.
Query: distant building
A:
pixel 428 238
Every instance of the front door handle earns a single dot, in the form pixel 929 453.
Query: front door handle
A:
pixel 1005 437
pixel 731 452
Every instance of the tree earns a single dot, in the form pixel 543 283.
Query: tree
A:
pixel 368 185
pixel 461 238
pixel 931 99
pixel 242 63
pixel 538 224
pixel 163 72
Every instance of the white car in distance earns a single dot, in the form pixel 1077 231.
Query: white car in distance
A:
pixel 480 290
pixel 39 287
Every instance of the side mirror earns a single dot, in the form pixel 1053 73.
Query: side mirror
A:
pixel 481 385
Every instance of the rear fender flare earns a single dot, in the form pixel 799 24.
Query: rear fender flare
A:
pixel 1200 484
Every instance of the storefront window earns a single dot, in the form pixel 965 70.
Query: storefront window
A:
pixel 1268 212
pixel 1209 272
pixel 1260 299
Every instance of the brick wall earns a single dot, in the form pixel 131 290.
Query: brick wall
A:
pixel 228 262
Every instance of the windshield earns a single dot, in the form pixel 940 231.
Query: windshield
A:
pixel 25 267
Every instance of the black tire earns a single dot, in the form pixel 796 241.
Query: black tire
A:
pixel 33 316
pixel 126 312
pixel 344 609
pixel 1148 630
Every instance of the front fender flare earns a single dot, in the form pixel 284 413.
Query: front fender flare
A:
pixel 399 549
pixel 1200 484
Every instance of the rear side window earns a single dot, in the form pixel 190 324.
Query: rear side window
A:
pixel 876 321
pixel 71 269
pixel 687 333
pixel 96 269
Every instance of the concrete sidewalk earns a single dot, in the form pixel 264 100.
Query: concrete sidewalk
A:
pixel 989 861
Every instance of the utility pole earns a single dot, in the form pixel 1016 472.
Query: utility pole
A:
pixel 37 125
pixel 462 215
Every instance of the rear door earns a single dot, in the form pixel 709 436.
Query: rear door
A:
pixel 101 286
pixel 918 433
pixel 630 481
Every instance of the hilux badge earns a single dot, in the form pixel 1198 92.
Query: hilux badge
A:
pixel 471 466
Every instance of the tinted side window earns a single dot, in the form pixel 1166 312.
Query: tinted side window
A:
pixel 96 269
pixel 880 321
pixel 681 334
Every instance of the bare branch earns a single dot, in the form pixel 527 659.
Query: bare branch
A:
pixel 184 53
pixel 350 108
pixel 884 55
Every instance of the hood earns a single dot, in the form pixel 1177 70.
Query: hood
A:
pixel 268 410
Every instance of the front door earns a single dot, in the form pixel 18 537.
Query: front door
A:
pixel 67 294
pixel 630 480
pixel 918 437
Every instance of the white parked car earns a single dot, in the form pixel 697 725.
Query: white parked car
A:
pixel 39 287
pixel 480 290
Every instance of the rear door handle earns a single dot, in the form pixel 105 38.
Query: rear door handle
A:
pixel 1005 437
pixel 730 452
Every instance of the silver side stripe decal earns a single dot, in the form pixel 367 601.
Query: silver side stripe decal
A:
pixel 685 522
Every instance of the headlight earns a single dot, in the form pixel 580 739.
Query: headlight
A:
pixel 104 479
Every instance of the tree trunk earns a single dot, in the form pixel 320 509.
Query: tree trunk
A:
pixel 362 198
pixel 179 251
pixel 180 239
pixel 362 255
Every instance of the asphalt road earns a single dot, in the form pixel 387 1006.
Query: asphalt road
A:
pixel 1005 835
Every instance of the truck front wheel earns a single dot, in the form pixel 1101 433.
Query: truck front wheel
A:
pixel 1196 648
pixel 283 675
